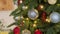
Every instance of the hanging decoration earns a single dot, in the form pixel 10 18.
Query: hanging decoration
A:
pixel 19 18
pixel 55 17
pixel 24 7
pixel 33 14
pixel 25 31
pixel 16 30
pixel 48 19
pixel 34 25
pixel 19 2
pixel 40 7
pixel 37 31
pixel 43 16
pixel 52 2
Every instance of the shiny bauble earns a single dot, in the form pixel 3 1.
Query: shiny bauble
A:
pixel 55 17
pixel 48 20
pixel 16 30
pixel 24 7
pixel 25 31
pixel 19 2
pixel 19 18
pixel 34 25
pixel 40 7
pixel 43 16
pixel 37 31
pixel 33 14
pixel 52 2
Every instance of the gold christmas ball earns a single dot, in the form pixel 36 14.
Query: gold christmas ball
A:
pixel 40 7
pixel 25 31
pixel 24 7
pixel 23 21
pixel 34 25
pixel 35 22
pixel 27 18
pixel 48 20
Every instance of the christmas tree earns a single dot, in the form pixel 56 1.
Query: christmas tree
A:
pixel 37 17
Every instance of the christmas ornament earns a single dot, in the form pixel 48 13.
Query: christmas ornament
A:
pixel 19 2
pixel 19 18
pixel 24 7
pixel 16 30
pixel 34 25
pixel 48 20
pixel 55 17
pixel 33 14
pixel 37 31
pixel 43 16
pixel 24 21
pixel 52 2
pixel 35 22
pixel 27 18
pixel 40 7
pixel 26 31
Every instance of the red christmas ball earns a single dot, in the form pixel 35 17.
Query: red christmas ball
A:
pixel 43 16
pixel 37 31
pixel 16 30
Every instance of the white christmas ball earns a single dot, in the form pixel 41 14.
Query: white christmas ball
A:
pixel 52 2
pixel 33 14
pixel 55 17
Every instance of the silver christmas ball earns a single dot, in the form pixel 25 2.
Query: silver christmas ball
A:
pixel 55 17
pixel 26 31
pixel 52 2
pixel 33 14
